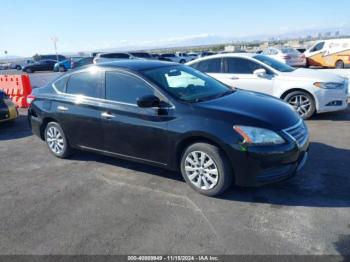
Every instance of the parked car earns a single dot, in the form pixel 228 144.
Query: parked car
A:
pixel 42 65
pixel 175 117
pixel 185 56
pixel 64 65
pixel 286 55
pixel 108 57
pixel 333 53
pixel 307 90
pixel 5 66
pixel 173 58
pixel 82 62
pixel 49 57
pixel 8 110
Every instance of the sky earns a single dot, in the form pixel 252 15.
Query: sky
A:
pixel 26 27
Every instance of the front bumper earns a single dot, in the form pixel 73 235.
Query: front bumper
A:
pixel 257 166
pixel 326 98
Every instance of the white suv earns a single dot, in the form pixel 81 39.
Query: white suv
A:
pixel 176 58
pixel 307 90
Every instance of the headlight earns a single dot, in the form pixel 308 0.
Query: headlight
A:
pixel 329 85
pixel 258 136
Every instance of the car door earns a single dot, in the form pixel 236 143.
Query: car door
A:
pixel 239 72
pixel 77 108
pixel 131 131
pixel 315 54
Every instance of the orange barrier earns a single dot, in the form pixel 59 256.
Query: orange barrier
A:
pixel 17 87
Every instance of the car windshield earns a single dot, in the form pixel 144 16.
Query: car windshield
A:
pixel 274 63
pixel 187 84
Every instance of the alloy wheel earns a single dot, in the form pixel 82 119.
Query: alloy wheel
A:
pixel 55 140
pixel 201 170
pixel 301 104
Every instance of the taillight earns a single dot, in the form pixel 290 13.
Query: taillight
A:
pixel 303 56
pixel 30 99
pixel 287 57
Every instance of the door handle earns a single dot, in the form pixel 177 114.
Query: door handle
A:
pixel 107 115
pixel 62 108
pixel 234 78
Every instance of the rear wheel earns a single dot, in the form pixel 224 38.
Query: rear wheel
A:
pixel 56 140
pixel 29 70
pixel 62 69
pixel 182 61
pixel 339 64
pixel 302 102
pixel 206 169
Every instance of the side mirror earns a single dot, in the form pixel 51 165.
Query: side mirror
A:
pixel 260 72
pixel 148 101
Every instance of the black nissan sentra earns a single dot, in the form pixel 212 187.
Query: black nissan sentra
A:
pixel 172 116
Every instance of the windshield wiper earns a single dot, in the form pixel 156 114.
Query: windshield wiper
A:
pixel 202 99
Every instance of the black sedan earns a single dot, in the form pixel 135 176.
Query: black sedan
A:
pixel 175 117
pixel 42 65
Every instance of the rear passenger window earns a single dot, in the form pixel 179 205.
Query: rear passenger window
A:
pixel 125 88
pixel 85 83
pixel 60 84
pixel 242 66
pixel 209 66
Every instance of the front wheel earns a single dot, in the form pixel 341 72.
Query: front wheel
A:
pixel 206 169
pixel 182 61
pixel 302 102
pixel 56 140
pixel 62 69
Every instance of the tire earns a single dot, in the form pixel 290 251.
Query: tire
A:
pixel 339 64
pixel 18 67
pixel 59 145
pixel 62 69
pixel 218 169
pixel 29 70
pixel 182 61
pixel 303 103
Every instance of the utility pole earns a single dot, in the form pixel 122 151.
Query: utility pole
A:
pixel 54 39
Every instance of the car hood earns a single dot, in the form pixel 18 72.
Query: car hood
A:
pixel 253 109
pixel 315 75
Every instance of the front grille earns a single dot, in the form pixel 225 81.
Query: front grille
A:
pixel 298 132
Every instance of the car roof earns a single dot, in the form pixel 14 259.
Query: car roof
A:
pixel 136 65
pixel 249 55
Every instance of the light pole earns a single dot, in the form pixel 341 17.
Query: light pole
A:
pixel 6 52
pixel 54 39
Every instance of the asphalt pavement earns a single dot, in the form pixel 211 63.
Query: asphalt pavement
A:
pixel 92 204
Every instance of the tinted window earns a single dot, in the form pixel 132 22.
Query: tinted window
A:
pixel 141 55
pixel 119 55
pixel 241 66
pixel 86 83
pixel 60 84
pixel 209 66
pixel 125 88
pixel 168 55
